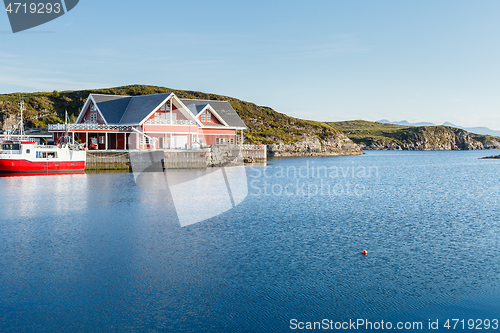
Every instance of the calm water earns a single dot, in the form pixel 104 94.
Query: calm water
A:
pixel 96 253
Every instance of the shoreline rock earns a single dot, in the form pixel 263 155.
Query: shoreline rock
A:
pixel 434 138
pixel 339 145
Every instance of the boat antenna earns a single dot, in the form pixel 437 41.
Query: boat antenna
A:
pixel 21 124
pixel 66 121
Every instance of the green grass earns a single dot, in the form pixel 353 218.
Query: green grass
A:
pixel 367 132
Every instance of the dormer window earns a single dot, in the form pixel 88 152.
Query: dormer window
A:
pixel 206 116
pixel 165 107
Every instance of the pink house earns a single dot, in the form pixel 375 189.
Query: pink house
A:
pixel 163 121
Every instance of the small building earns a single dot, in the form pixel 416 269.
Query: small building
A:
pixel 163 121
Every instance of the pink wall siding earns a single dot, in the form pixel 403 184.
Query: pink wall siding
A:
pixel 86 116
pixel 168 128
pixel 210 136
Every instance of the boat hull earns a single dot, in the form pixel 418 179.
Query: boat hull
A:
pixel 25 166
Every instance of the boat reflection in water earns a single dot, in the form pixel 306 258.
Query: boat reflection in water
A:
pixel 31 174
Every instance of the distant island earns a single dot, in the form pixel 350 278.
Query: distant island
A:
pixel 284 135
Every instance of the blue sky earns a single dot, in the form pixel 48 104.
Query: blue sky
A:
pixel 331 60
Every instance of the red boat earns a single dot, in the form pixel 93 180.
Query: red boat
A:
pixel 25 156
pixel 18 156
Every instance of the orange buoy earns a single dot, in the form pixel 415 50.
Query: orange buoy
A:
pixel 168 156
pixel 364 252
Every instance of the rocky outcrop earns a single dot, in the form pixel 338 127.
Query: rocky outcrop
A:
pixel 7 120
pixel 312 146
pixel 430 138
pixel 492 144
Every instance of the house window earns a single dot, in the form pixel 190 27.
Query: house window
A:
pixel 144 141
pixel 206 116
pixel 231 141
pixel 165 107
pixel 93 117
pixel 220 141
pixel 92 107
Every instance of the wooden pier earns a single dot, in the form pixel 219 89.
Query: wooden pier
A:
pixel 107 160
pixel 179 159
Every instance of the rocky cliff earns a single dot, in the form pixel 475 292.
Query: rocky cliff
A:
pixel 7 120
pixel 432 138
pixel 373 135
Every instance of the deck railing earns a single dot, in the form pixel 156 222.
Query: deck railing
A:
pixel 87 126
pixel 95 126
pixel 168 122
pixel 252 147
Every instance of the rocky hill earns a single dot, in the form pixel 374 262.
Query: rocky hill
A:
pixel 284 135
pixel 374 135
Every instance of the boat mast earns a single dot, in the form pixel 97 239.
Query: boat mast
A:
pixel 66 136
pixel 21 124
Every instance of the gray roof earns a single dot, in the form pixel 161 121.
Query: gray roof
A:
pixel 223 109
pixel 112 106
pixel 121 110
pixel 141 106
pixel 213 125
pixel 127 109
pixel 196 108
